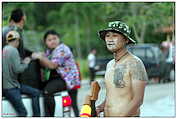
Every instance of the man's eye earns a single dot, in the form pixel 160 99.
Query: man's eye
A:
pixel 55 38
pixel 49 40
pixel 107 35
pixel 114 35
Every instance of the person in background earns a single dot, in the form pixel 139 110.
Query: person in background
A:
pixel 91 63
pixel 64 74
pixel 167 48
pixel 173 51
pixel 16 22
pixel 12 66
pixel 73 92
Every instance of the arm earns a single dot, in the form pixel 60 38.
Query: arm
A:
pixel 44 61
pixel 47 63
pixel 17 66
pixel 58 58
pixel 100 107
pixel 138 88
pixel 139 77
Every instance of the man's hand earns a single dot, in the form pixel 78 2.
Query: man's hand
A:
pixel 100 108
pixel 27 60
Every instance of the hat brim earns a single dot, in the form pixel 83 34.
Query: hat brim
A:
pixel 103 32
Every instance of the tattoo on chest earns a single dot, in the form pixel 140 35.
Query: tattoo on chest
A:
pixel 118 76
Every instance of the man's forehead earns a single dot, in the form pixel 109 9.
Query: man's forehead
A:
pixel 113 32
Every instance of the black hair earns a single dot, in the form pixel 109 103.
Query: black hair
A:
pixel 52 32
pixel 93 49
pixel 16 15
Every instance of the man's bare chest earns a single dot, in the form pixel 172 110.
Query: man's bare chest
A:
pixel 117 76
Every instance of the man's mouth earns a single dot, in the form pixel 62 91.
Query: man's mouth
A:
pixel 110 44
pixel 54 44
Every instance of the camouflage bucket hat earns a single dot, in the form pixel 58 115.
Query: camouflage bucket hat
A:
pixel 119 27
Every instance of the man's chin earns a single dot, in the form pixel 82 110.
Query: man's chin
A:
pixel 112 50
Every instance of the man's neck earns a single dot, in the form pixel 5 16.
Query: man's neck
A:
pixel 16 24
pixel 12 44
pixel 119 54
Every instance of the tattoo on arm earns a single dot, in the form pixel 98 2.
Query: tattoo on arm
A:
pixel 138 71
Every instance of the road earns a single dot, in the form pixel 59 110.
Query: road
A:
pixel 159 99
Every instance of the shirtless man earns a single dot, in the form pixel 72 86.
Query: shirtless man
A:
pixel 125 76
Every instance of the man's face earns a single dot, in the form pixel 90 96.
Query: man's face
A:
pixel 94 51
pixel 17 42
pixel 52 41
pixel 115 41
pixel 23 20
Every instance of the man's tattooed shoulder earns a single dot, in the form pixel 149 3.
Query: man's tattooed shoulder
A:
pixel 137 69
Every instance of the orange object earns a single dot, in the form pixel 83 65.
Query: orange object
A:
pixel 95 88
pixel 88 109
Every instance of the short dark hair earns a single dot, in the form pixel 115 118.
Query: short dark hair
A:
pixel 16 15
pixel 92 49
pixel 52 32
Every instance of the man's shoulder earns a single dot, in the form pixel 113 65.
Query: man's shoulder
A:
pixel 137 68
pixel 90 56
pixel 62 47
pixel 8 28
pixel 10 48
pixel 135 59
pixel 5 29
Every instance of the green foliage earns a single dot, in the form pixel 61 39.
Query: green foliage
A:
pixel 79 22
pixel 83 67
pixel 33 40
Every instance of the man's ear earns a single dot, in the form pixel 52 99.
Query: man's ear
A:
pixel 126 40
pixel 23 18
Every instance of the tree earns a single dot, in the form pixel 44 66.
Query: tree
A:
pixel 78 23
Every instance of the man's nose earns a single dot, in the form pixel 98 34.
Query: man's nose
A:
pixel 110 39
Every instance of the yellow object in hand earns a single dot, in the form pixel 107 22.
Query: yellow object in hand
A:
pixel 85 111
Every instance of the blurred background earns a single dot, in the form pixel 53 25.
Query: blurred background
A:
pixel 79 23
pixel 152 26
